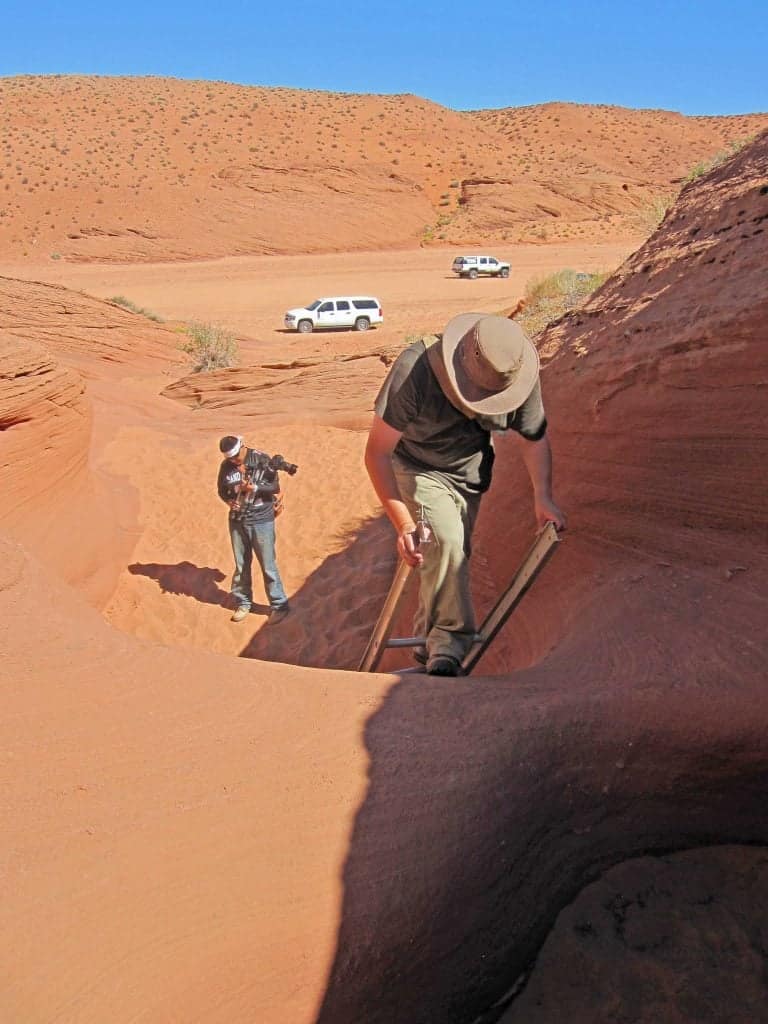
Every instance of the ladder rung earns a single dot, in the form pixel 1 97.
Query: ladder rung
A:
pixel 419 641
pixel 405 641
pixel 537 555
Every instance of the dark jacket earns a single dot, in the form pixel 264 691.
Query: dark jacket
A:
pixel 258 506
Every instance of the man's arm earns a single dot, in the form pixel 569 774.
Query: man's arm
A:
pixel 266 485
pixel 537 457
pixel 382 441
pixel 227 493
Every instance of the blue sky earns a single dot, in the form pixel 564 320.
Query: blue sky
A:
pixel 698 58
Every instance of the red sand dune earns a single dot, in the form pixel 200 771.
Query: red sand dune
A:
pixel 127 169
pixel 196 836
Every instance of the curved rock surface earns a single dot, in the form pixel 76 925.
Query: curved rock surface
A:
pixel 51 341
pixel 202 836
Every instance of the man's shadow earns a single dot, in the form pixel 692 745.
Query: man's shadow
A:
pixel 188 579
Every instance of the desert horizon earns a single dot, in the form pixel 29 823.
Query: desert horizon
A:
pixel 218 821
pixel 156 169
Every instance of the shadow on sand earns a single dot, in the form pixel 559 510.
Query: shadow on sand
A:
pixel 493 801
pixel 334 611
pixel 185 578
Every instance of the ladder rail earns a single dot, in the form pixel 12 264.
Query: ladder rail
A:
pixel 534 561
pixel 378 641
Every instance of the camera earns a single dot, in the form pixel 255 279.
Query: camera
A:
pixel 278 463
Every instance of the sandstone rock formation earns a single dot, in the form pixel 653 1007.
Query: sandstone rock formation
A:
pixel 197 835
pixel 51 340
pixel 157 169
pixel 637 722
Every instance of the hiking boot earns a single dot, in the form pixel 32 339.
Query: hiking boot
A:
pixel 241 613
pixel 443 665
pixel 278 614
pixel 420 655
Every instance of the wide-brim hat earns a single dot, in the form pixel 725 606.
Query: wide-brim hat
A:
pixel 490 361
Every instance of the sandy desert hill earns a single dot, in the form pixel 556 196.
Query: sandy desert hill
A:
pixel 197 836
pixel 157 169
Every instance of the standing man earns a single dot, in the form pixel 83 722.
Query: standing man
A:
pixel 249 485
pixel 430 449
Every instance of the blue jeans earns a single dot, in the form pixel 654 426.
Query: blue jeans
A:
pixel 249 539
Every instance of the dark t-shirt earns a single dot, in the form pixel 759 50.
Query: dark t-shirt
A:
pixel 436 435
pixel 257 507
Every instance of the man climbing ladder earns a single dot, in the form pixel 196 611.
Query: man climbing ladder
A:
pixel 430 448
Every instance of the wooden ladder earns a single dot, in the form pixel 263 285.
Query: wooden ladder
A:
pixel 536 557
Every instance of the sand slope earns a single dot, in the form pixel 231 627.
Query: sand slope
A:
pixel 195 836
pixel 137 169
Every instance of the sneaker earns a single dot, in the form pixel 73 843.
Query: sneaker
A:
pixel 241 613
pixel 278 614
pixel 443 665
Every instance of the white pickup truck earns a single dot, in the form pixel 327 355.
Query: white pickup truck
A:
pixel 477 266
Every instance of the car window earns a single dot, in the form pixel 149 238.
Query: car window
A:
pixel 342 305
pixel 327 307
pixel 492 261
pixel 483 260
pixel 364 303
pixel 313 305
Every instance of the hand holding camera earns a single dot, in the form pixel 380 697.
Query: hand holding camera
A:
pixel 278 463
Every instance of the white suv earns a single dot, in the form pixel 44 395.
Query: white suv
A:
pixel 472 266
pixel 358 311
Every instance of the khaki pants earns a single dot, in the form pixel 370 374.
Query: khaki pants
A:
pixel 445 615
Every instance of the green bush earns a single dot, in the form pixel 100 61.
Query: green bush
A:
pixel 719 158
pixel 548 298
pixel 647 218
pixel 120 300
pixel 210 347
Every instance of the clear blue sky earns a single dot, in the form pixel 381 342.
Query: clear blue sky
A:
pixel 698 58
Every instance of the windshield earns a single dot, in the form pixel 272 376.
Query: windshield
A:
pixel 314 305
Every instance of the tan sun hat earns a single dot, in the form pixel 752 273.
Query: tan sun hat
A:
pixel 490 361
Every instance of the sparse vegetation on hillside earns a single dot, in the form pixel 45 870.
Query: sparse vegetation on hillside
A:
pixel 719 158
pixel 548 298
pixel 648 217
pixel 120 300
pixel 140 169
pixel 210 348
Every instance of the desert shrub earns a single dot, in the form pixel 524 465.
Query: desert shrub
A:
pixel 548 298
pixel 647 217
pixel 719 158
pixel 210 347
pixel 120 300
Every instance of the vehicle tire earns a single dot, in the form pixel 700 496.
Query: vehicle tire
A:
pixel 304 327
pixel 504 272
pixel 472 275
pixel 362 323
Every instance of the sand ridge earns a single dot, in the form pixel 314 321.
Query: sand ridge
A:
pixel 199 835
pixel 146 169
